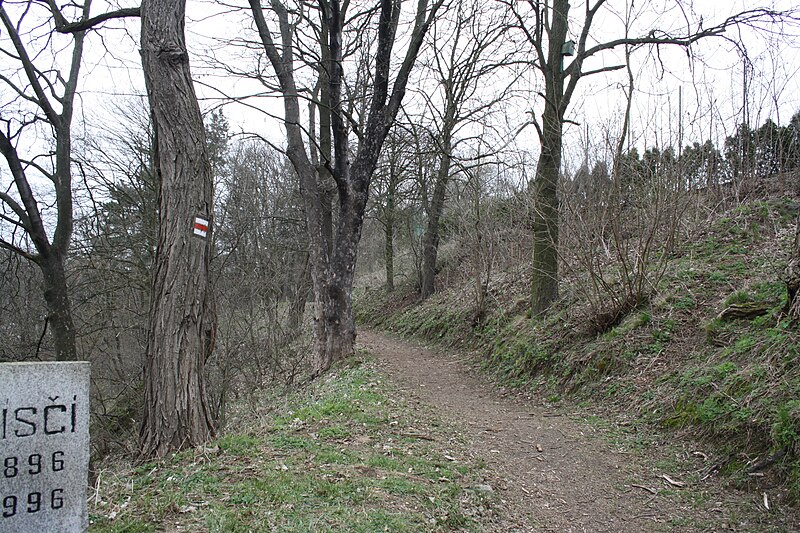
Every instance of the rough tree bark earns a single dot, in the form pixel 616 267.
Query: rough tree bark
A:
pixel 182 318
pixel 544 283
pixel 333 253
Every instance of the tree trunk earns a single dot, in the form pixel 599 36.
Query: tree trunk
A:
pixel 544 282
pixel 544 286
pixel 430 253
pixel 302 285
pixel 53 265
pixel 430 240
pixel 59 311
pixel 182 318
pixel 333 254
pixel 388 250
pixel 333 286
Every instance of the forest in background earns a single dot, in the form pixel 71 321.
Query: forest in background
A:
pixel 86 213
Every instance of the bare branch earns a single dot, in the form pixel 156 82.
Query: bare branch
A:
pixel 601 70
pixel 83 25
pixel 24 221
pixel 33 217
pixel 19 251
pixel 27 65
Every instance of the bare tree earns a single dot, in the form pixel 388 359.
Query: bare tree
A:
pixel 182 315
pixel 479 230
pixel 333 240
pixel 390 190
pixel 260 273
pixel 545 25
pixel 40 99
pixel 465 53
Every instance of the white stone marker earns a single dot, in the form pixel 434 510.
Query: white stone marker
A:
pixel 44 447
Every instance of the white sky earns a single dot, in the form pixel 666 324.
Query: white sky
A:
pixel 711 86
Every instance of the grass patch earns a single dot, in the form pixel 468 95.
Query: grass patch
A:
pixel 334 460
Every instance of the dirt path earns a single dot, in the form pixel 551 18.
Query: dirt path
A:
pixel 556 474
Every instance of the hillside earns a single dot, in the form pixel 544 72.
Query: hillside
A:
pixel 705 357
pixel 405 438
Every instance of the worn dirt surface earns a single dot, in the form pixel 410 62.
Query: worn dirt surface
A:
pixel 553 471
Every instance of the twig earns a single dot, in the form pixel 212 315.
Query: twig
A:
pixel 674 483
pixel 769 461
pixel 417 436
pixel 97 487
pixel 648 489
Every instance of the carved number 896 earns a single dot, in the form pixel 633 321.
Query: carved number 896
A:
pixel 12 466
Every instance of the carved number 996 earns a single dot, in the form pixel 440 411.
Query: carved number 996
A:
pixel 32 504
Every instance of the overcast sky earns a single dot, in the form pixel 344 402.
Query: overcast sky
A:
pixel 710 85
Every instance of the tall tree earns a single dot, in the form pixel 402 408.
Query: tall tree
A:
pixel 342 171
pixel 38 94
pixel 182 315
pixel 466 52
pixel 545 25
pixel 394 171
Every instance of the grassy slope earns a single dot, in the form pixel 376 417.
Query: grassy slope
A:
pixel 671 363
pixel 347 453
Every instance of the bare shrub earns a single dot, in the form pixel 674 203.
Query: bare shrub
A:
pixel 621 231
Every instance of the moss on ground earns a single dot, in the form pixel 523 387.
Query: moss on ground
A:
pixel 672 361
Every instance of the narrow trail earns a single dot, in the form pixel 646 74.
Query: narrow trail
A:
pixel 553 473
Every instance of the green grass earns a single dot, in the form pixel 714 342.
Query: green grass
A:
pixel 732 383
pixel 334 458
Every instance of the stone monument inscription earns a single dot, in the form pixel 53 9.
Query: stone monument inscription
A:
pixel 44 447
